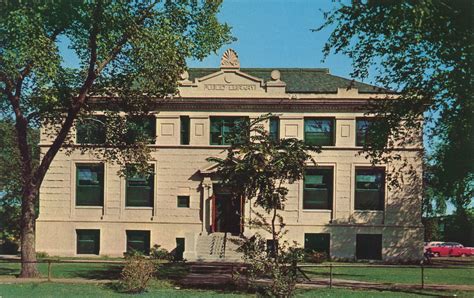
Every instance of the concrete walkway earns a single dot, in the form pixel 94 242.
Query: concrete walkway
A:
pixel 78 280
pixel 354 284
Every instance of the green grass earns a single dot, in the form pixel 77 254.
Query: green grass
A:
pixel 92 290
pixel 166 290
pixel 68 270
pixel 452 276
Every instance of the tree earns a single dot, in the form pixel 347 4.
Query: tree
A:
pixel 10 182
pixel 423 50
pixel 130 53
pixel 258 169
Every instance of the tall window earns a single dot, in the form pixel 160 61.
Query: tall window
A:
pixel 88 242
pixel 319 131
pixel 274 131
pixel 318 188
pixel 369 246
pixel 370 189
pixel 223 127
pixel 317 242
pixel 90 184
pixel 91 130
pixel 140 189
pixel 185 131
pixel 138 241
pixel 141 129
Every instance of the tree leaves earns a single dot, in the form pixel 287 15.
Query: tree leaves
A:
pixel 423 50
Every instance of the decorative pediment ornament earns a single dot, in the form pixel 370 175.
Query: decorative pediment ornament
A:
pixel 230 59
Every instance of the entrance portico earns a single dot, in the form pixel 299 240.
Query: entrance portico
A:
pixel 222 213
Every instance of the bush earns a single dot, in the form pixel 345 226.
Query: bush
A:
pixel 279 268
pixel 315 256
pixel 132 253
pixel 41 255
pixel 136 274
pixel 159 253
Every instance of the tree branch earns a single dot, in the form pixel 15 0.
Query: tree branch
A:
pixel 92 74
pixel 124 38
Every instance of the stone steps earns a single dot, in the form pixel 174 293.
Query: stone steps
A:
pixel 217 247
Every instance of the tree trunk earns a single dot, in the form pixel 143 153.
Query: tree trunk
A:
pixel 28 252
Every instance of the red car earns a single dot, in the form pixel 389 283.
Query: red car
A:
pixel 450 249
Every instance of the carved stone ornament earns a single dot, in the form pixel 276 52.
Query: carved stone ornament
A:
pixel 230 59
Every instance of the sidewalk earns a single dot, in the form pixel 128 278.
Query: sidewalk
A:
pixel 354 284
pixel 314 283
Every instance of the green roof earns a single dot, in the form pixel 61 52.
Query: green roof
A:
pixel 300 80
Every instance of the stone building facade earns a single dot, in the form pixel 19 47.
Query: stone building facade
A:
pixel 343 206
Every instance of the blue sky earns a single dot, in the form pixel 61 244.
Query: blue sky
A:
pixel 277 33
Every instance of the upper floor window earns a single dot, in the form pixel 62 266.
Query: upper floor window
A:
pixel 91 130
pixel 223 127
pixel 274 131
pixel 318 188
pixel 141 129
pixel 363 133
pixel 185 130
pixel 370 189
pixel 139 189
pixel 90 184
pixel 319 131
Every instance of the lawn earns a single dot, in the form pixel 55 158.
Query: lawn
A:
pixel 453 276
pixel 69 270
pixel 166 290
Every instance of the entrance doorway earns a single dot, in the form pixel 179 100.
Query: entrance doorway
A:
pixel 227 213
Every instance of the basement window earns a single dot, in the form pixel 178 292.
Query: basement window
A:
pixel 180 247
pixel 369 247
pixel 88 242
pixel 317 242
pixel 138 241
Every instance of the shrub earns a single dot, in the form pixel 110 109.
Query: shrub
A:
pixel 42 255
pixel 315 256
pixel 136 274
pixel 132 253
pixel 159 253
pixel 279 268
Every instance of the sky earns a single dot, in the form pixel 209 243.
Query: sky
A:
pixel 277 33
